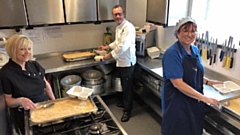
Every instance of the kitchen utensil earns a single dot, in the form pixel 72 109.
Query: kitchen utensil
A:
pixel 209 49
pixel 80 92
pixel 116 84
pixel 215 51
pixel 69 81
pixel 97 88
pixel 92 75
pixel 105 68
pixel 231 63
pixel 62 108
pixel 227 51
pixel 78 55
pixel 204 51
pixel 47 105
pixel 223 51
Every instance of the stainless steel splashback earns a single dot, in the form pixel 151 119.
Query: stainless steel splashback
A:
pixel 12 13
pixel 45 11
pixel 80 10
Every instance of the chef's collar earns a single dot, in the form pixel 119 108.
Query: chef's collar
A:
pixel 121 25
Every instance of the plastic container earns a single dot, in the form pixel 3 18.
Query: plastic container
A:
pixel 226 87
pixel 79 92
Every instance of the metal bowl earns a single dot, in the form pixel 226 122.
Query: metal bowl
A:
pixel 69 81
pixel 92 75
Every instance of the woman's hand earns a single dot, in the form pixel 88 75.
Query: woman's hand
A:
pixel 210 101
pixel 26 103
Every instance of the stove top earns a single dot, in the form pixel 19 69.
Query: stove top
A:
pixel 103 122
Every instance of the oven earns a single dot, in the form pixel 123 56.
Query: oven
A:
pixel 143 41
pixel 101 122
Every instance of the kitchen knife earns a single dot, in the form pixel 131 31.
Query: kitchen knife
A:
pixel 209 49
pixel 213 48
pixel 223 51
pixel 231 63
pixel 228 59
pixel 215 52
pixel 226 52
pixel 204 51
pixel 201 43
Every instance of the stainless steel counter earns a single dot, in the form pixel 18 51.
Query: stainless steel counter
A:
pixel 154 67
pixel 54 63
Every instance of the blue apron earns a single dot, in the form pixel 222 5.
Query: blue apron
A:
pixel 184 115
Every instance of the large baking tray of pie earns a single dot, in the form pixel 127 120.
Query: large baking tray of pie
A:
pixel 63 108
pixel 78 55
pixel 232 107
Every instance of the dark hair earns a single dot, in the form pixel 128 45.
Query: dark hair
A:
pixel 117 6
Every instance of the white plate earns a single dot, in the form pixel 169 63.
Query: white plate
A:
pixel 227 87
pixel 3 58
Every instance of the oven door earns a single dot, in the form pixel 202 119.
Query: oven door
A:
pixel 140 47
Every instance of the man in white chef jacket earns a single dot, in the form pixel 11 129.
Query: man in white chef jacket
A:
pixel 123 50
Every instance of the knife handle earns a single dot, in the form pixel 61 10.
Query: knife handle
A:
pixel 221 56
pixel 214 58
pixel 200 52
pixel 204 54
pixel 210 61
pixel 208 54
pixel 228 61
pixel 224 61
pixel 231 63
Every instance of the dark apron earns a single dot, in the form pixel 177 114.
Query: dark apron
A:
pixel 184 115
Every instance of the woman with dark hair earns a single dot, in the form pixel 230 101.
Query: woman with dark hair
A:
pixel 183 100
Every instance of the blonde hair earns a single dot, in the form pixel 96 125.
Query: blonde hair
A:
pixel 16 42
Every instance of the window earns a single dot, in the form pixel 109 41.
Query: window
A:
pixel 218 17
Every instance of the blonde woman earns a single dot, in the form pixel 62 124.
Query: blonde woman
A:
pixel 23 81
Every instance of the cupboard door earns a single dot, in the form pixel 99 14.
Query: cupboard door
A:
pixel 105 9
pixel 167 12
pixel 45 12
pixel 12 13
pixel 80 10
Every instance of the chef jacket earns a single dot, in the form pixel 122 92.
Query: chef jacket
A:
pixel 124 45
pixel 24 83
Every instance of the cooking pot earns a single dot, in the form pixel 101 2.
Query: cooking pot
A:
pixel 105 68
pixel 69 81
pixel 92 75
pixel 97 88
pixel 116 84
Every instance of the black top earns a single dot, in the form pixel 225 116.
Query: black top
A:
pixel 20 83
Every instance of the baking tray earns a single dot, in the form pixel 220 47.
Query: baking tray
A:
pixel 232 107
pixel 63 108
pixel 227 87
pixel 78 58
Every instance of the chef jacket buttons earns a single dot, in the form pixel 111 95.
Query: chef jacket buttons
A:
pixel 29 74
pixel 34 74
pixel 39 73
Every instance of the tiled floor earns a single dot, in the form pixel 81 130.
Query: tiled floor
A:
pixel 143 121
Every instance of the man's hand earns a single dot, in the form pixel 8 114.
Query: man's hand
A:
pixel 102 47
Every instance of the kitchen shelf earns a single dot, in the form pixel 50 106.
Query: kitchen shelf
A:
pixel 151 100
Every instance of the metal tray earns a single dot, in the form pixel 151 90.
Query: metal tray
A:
pixel 79 58
pixel 231 112
pixel 65 117
pixel 231 107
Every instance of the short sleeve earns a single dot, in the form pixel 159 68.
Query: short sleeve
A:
pixel 172 64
